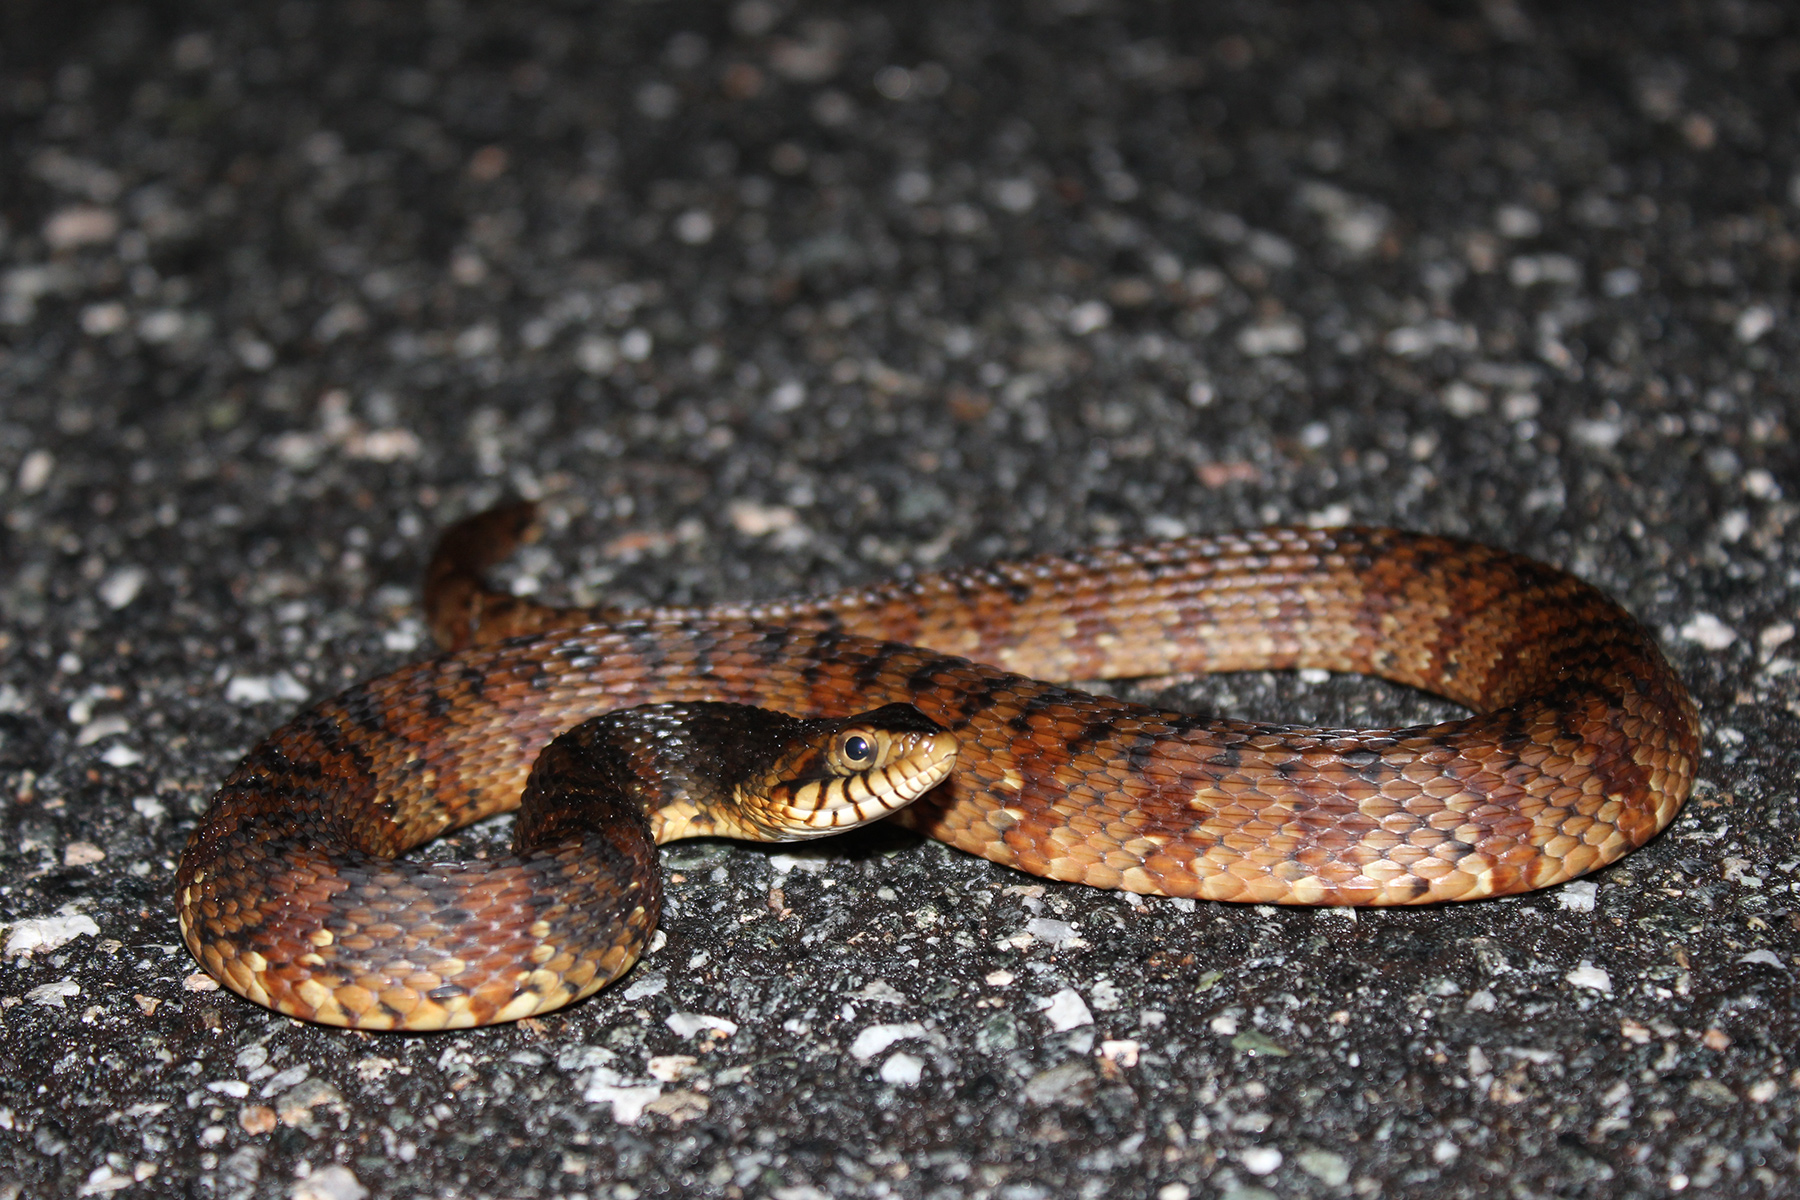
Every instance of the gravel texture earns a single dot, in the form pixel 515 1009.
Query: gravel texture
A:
pixel 767 297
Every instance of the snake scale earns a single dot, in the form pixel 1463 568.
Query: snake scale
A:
pixel 1583 744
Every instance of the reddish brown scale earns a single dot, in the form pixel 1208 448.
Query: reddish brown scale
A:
pixel 1584 746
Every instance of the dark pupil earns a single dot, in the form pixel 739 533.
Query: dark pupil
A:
pixel 856 748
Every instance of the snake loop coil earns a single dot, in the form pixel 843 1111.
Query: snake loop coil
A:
pixel 1583 744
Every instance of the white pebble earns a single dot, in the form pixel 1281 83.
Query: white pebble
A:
pixel 329 1183
pixel 260 689
pixel 1753 322
pixel 902 1069
pixel 1260 1160
pixel 1066 1010
pixel 1578 896
pixel 1587 975
pixel 54 995
pixel 1709 631
pixel 1282 335
pixel 876 1038
pixel 687 1024
pixel 47 933
pixel 34 472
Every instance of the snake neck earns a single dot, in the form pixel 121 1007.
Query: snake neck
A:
pixel 680 769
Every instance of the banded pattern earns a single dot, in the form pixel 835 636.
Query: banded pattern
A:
pixel 1583 746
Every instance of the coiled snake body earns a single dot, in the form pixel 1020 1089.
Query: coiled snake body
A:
pixel 1583 746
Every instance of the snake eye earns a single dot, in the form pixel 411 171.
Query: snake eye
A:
pixel 857 749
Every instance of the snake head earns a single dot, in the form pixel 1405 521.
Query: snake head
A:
pixel 838 773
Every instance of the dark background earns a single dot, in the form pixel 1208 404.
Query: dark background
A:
pixel 769 297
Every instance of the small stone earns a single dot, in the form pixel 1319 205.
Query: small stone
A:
pixel 1463 400
pixel 876 1038
pixel 757 520
pixel 1711 1091
pixel 1587 975
pixel 81 225
pixel 645 985
pixel 687 1024
pixel 679 1106
pixel 1279 336
pixel 1086 317
pixel 635 345
pixel 1578 896
pixel 671 1068
pixel 297 1103
pixel 98 728
pixel 54 995
pixel 1124 1052
pixel 1330 1169
pixel 1019 196
pixel 390 445
pixel 1066 1010
pixel 1709 631
pixel 1258 1045
pixel 121 587
pixel 103 1180
pixel 1330 517
pixel 1260 1160
pixel 284 1079
pixel 628 1099
pixel 47 933
pixel 376 1067
pixel 1055 933
pixel 694 227
pixel 1753 322
pixel 1071 1083
pixel 879 991
pixel 257 1119
pixel 34 472
pixel 1517 221
pixel 1599 434
pixel 902 1069
pixel 329 1183
pixel 261 689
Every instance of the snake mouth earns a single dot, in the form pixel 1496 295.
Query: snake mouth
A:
pixel 831 805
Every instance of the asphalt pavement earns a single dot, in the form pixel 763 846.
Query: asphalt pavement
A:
pixel 769 297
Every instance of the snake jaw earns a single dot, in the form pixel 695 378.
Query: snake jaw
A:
pixel 823 806
pixel 857 770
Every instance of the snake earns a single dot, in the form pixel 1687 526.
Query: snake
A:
pixel 295 890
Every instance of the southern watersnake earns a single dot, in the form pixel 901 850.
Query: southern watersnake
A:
pixel 1583 745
